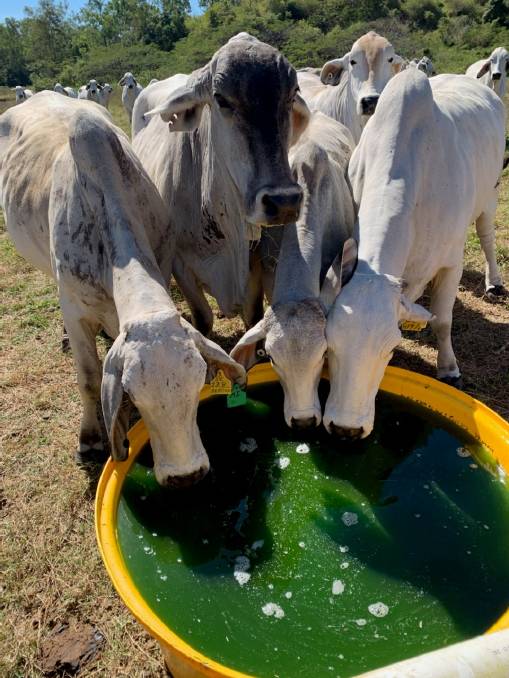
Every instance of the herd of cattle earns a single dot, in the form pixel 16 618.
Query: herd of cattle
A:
pixel 338 194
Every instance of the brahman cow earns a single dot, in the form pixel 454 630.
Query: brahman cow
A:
pixel 293 327
pixel 66 91
pixel 105 95
pixel 424 64
pixel 22 94
pixel 224 165
pixel 492 71
pixel 131 89
pixel 80 207
pixel 349 88
pixel 153 95
pixel 428 164
pixel 91 91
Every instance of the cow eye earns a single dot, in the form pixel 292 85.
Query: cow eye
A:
pixel 352 62
pixel 222 102
pixel 391 60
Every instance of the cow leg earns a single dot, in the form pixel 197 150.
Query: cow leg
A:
pixel 443 296
pixel 82 334
pixel 252 308
pixel 65 345
pixel 485 228
pixel 201 312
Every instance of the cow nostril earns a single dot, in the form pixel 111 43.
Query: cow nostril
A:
pixel 346 433
pixel 368 105
pixel 182 482
pixel 307 422
pixel 282 208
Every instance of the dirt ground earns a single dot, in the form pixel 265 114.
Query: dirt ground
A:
pixel 53 583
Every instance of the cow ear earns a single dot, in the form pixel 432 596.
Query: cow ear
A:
pixel 116 403
pixel 183 108
pixel 333 70
pixel 413 312
pixel 244 351
pixel 214 356
pixel 340 273
pixel 300 118
pixel 397 64
pixel 87 86
pixel 121 82
pixel 484 69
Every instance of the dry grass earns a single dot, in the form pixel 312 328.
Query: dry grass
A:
pixel 50 567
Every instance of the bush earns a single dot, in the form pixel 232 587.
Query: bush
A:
pixel 423 14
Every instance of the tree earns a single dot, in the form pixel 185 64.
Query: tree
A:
pixel 13 67
pixel 498 12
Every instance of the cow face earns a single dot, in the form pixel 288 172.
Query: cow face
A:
pixel 497 66
pixel 362 332
pixel 160 364
pixel 128 80
pixel 93 90
pixel 60 90
pixel 20 94
pixel 370 65
pixel 255 114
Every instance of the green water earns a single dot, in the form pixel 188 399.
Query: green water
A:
pixel 415 518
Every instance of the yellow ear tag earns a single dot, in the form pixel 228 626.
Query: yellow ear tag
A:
pixel 413 325
pixel 220 385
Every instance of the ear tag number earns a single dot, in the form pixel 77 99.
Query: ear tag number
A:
pixel 220 385
pixel 413 325
pixel 237 397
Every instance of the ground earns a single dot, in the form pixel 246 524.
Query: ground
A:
pixel 51 572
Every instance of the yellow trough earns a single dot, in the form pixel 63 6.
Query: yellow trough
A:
pixel 482 657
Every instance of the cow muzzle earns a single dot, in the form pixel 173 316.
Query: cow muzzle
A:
pixel 280 206
pixel 180 482
pixel 350 434
pixel 368 104
pixel 496 76
pixel 304 423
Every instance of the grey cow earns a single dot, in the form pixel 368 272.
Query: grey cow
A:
pixel 225 164
pixel 79 206
pixel 293 327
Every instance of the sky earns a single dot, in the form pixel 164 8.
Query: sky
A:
pixel 14 8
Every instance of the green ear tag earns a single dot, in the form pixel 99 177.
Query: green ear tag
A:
pixel 220 385
pixel 237 397
pixel 413 325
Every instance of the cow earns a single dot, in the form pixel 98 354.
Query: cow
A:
pixel 79 206
pixel 153 81
pixel 71 92
pixel 424 64
pixel 91 91
pixel 131 89
pixel 59 89
pixel 349 88
pixel 150 98
pixel 492 71
pixel 293 327
pixel 427 165
pixel 22 94
pixel 105 95
pixel 224 165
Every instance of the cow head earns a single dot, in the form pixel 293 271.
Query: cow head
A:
pixel 93 90
pixel 294 336
pixel 160 364
pixel 20 93
pixel 128 80
pixel 370 65
pixel 498 68
pixel 60 90
pixel 256 113
pixel 362 332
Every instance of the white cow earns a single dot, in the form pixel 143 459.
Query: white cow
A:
pixel 224 165
pixel 424 64
pixel 71 92
pixel 105 95
pixel 349 88
pixel 79 206
pixel 427 165
pixel 293 327
pixel 59 89
pixel 22 94
pixel 91 91
pixel 492 71
pixel 131 89
pixel 153 97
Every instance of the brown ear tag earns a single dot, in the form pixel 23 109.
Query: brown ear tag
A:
pixel 413 325
pixel 220 385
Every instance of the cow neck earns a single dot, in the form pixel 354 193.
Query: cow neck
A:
pixel 342 107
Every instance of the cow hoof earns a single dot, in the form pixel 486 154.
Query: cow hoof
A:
pixel 92 456
pixel 66 344
pixel 496 293
pixel 457 382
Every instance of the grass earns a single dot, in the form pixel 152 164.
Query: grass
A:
pixel 50 567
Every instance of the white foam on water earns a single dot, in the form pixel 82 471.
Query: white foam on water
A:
pixel 343 566
pixel 242 564
pixel 337 587
pixel 288 595
pixel 283 462
pixel 257 544
pixel 154 534
pixel 179 560
pixel 248 445
pixel 473 466
pixel 361 622
pixel 350 518
pixel 486 527
pixel 273 610
pixel 417 515
pixel 462 452
pixel 270 586
pixel 302 448
pixel 163 577
pixel 302 545
pixel 344 549
pixel 378 609
pixel 143 497
pixel 420 624
pixel 242 577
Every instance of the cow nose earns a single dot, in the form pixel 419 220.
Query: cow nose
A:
pixel 282 207
pixel 306 422
pixel 346 433
pixel 182 482
pixel 496 76
pixel 368 105
pixel 130 86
